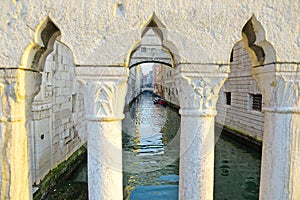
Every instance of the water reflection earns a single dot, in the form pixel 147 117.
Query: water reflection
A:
pixel 237 171
pixel 150 160
pixel 151 151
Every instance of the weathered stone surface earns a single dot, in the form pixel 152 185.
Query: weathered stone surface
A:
pixel 280 86
pixel 202 31
pixel 103 33
pixel 105 89
pixel 56 112
pixel 15 118
pixel 198 93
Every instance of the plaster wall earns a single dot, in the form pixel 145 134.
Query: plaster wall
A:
pixel 102 32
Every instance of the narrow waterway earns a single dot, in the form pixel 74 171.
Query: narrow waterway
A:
pixel 151 164
pixel 151 152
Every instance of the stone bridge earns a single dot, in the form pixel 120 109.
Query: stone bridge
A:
pixel 148 89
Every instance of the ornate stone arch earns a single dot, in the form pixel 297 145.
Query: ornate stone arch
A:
pixel 160 31
pixel 21 89
pixel 255 42
pixel 36 53
pixel 279 84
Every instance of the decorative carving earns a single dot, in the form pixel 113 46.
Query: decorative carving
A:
pixel 288 91
pixel 105 100
pixel 280 89
pixel 199 93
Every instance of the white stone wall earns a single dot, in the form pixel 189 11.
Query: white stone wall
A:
pixel 58 126
pixel 239 115
pixel 111 27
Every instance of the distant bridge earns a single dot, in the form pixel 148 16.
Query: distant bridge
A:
pixel 158 56
pixel 139 61
pixel 149 89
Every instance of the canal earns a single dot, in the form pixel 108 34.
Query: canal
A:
pixel 151 158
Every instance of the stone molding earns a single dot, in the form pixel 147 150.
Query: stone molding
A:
pixel 199 86
pixel 280 85
pixel 104 91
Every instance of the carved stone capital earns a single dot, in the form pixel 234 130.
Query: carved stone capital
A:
pixel 199 87
pixel 280 86
pixel 104 92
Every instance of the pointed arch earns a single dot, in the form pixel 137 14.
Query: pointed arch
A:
pixel 160 31
pixel 156 25
pixel 254 40
pixel 36 53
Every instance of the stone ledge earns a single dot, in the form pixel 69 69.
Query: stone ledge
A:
pixel 241 137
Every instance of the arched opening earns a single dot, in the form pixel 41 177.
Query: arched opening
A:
pixel 240 124
pixel 151 125
pixel 154 29
pixel 253 38
pixel 251 51
pixel 54 103
pixel 241 99
pixel 33 61
pixel 36 53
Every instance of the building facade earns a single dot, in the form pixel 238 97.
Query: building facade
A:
pixel 134 84
pixel 240 102
pixel 58 125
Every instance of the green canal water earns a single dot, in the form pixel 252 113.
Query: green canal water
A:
pixel 151 158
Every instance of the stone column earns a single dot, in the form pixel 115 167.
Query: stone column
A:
pixel 199 87
pixel 17 90
pixel 104 95
pixel 280 166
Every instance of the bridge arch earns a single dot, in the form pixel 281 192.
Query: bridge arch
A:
pixel 150 61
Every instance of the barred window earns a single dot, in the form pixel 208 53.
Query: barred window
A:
pixel 228 98
pixel 255 102
pixel 74 96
